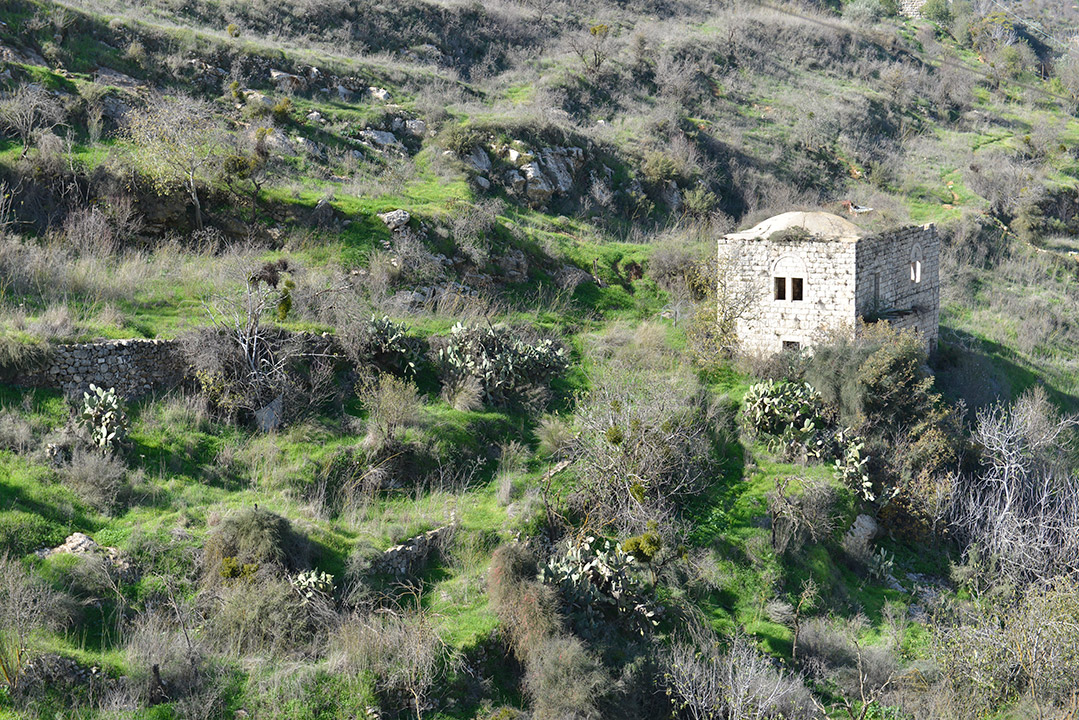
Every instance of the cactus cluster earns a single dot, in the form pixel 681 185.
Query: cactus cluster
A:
pixel 103 415
pixel 504 364
pixel 389 346
pixel 784 409
pixel 597 583
pixel 310 584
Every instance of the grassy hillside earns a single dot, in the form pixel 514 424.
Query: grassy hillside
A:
pixel 527 362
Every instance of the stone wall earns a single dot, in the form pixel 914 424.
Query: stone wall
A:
pixel 826 266
pixel 886 284
pixel 911 8
pixel 134 367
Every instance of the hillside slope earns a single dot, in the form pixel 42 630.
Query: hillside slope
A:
pixel 461 435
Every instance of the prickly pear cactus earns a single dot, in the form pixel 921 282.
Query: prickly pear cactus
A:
pixel 597 583
pixel 103 415
pixel 311 584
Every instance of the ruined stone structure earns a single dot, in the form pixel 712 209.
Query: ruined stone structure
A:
pixel 134 367
pixel 811 272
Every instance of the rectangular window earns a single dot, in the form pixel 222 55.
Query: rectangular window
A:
pixel 876 291
pixel 781 288
pixel 796 288
pixel 791 345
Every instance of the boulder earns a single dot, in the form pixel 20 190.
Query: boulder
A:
pixel 538 188
pixel 82 544
pixel 314 116
pixel 395 219
pixel 269 417
pixel 310 147
pixel 416 127
pixel 515 181
pixel 108 76
pixel 482 182
pixel 286 82
pixel 558 170
pixel 378 93
pixel 380 138
pixel 479 160
pixel 865 529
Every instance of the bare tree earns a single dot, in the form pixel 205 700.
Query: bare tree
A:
pixel 741 683
pixel 176 141
pixel 26 605
pixel 29 111
pixel 1022 509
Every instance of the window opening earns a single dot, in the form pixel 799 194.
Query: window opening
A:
pixel 781 288
pixel 796 289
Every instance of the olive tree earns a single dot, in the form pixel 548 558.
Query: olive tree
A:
pixel 177 141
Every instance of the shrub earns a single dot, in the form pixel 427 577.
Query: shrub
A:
pixel 462 139
pixel 103 416
pixel 392 405
pixel 645 443
pixel 565 681
pixel 16 433
pixel 507 365
pixel 526 608
pixel 254 537
pixel 269 615
pixel 659 168
pixel 22 532
pixel 99 480
pixel 938 11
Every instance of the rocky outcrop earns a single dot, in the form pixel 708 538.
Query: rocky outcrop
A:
pixel 542 175
pixel 82 544
pixel 287 82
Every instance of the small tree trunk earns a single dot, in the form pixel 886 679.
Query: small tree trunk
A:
pixel 193 191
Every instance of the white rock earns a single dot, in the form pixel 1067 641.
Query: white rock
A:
pixel 395 219
pixel 286 81
pixel 378 93
pixel 380 137
pixel 538 188
pixel 479 160
pixel 314 116
pixel 483 182
pixel 416 127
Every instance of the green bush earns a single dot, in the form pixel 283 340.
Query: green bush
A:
pixel 598 583
pixel 386 344
pixel 257 538
pixel 938 11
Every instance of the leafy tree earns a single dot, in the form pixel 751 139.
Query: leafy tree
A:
pixel 176 142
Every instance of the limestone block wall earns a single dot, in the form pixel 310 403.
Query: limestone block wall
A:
pixel 885 283
pixel 911 8
pixel 827 267
pixel 134 367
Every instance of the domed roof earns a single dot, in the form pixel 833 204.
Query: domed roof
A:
pixel 817 224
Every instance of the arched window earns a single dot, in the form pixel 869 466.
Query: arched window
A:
pixel 788 279
pixel 916 264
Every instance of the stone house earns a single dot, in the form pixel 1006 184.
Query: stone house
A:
pixel 806 273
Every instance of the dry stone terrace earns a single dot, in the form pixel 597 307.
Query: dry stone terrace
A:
pixel 812 272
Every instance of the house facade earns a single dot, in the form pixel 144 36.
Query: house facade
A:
pixel 813 272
